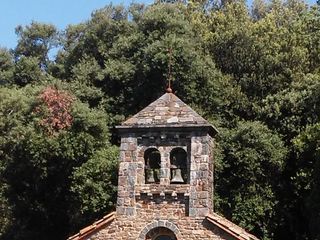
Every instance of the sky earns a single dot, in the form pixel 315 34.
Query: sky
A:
pixel 60 13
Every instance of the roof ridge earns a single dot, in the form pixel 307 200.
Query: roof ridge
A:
pixel 93 227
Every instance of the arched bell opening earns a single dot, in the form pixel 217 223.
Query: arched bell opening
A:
pixel 152 160
pixel 178 166
pixel 161 233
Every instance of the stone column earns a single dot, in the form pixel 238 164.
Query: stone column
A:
pixel 127 176
pixel 201 176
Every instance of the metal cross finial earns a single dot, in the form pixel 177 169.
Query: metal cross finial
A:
pixel 169 90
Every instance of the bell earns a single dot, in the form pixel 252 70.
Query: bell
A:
pixel 150 176
pixel 177 178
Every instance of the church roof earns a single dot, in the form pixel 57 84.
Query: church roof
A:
pixel 167 111
pixel 229 227
pixel 96 226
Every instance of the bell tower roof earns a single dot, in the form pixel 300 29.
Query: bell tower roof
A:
pixel 167 111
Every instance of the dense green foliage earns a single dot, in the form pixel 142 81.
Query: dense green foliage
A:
pixel 253 72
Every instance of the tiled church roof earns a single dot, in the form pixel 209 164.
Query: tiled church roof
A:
pixel 166 111
pixel 96 226
pixel 229 227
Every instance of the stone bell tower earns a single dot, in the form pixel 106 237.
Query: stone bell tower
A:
pixel 165 188
pixel 166 161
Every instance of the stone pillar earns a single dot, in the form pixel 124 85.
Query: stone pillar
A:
pixel 127 176
pixel 165 165
pixel 201 176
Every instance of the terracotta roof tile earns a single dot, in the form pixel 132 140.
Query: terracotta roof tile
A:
pixel 93 227
pixel 231 228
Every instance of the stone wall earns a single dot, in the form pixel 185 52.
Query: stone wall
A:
pixel 127 175
pixel 198 190
pixel 201 175
pixel 180 208
pixel 137 228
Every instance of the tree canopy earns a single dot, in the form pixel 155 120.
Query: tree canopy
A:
pixel 253 72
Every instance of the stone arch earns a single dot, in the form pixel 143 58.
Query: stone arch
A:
pixel 160 233
pixel 179 160
pixel 152 163
pixel 160 224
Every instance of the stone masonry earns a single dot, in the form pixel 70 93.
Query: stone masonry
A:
pixel 132 185
pixel 176 210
